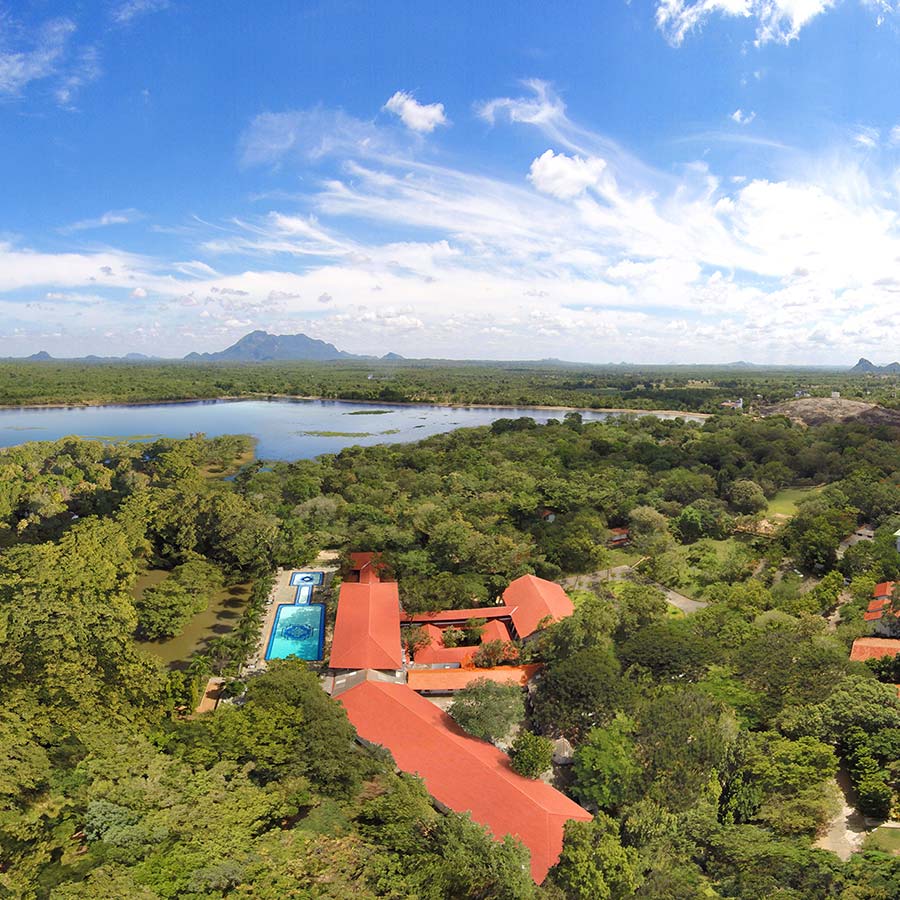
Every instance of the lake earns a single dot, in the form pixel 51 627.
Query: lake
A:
pixel 284 429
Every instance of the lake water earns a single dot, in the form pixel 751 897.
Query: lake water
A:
pixel 284 429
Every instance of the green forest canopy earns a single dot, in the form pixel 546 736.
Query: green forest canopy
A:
pixel 705 744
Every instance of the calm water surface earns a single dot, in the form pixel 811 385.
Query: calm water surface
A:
pixel 284 429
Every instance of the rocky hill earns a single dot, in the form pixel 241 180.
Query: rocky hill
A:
pixel 867 367
pixel 260 346
pixel 820 410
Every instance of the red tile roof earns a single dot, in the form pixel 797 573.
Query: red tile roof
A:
pixel 460 616
pixel 873 615
pixel 884 589
pixel 367 628
pixel 461 772
pixel 879 604
pixel 495 630
pixel 457 679
pixel 367 566
pixel 534 599
pixel 436 652
pixel 874 648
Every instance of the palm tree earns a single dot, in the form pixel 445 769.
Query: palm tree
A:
pixel 200 665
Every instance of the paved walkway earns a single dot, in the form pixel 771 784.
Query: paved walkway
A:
pixel 685 604
pixel 848 829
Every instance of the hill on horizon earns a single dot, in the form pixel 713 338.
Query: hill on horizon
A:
pixel 865 366
pixel 260 346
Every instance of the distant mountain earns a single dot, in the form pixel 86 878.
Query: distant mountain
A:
pixel 392 357
pixel 260 346
pixel 40 356
pixel 866 367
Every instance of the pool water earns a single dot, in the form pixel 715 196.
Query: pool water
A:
pixel 299 630
pixel 311 578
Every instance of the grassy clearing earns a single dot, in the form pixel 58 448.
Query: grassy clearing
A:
pixel 620 557
pixel 886 840
pixel 784 503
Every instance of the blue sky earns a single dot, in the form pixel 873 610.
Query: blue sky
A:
pixel 659 181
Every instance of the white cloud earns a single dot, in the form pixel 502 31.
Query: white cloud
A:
pixel 587 254
pixel 741 117
pixel 775 20
pixel 565 176
pixel 419 117
pixel 138 293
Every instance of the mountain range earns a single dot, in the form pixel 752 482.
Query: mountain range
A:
pixel 258 346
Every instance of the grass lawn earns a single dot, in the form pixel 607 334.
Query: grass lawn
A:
pixel 784 503
pixel 619 557
pixel 887 840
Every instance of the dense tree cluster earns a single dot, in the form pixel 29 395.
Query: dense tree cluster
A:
pixel 705 744
pixel 688 388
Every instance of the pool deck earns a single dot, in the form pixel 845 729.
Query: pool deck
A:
pixel 283 592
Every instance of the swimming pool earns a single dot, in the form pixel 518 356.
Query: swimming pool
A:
pixel 311 578
pixel 298 631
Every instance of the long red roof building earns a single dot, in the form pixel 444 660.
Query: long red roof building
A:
pixel 367 627
pixel 462 772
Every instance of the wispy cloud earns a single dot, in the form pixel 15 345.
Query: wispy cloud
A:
pixel 84 69
pixel 111 217
pixel 311 134
pixel 867 137
pixel 126 12
pixel 19 68
pixel 586 252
